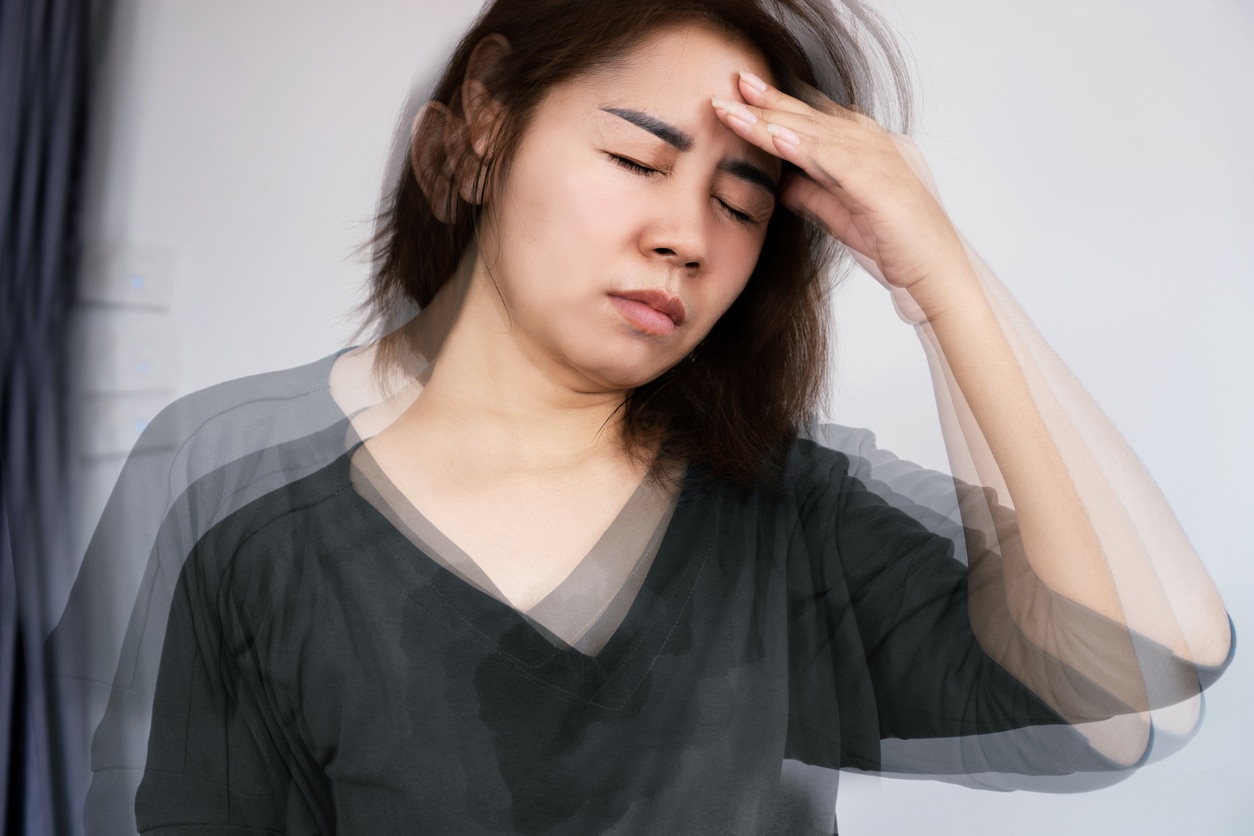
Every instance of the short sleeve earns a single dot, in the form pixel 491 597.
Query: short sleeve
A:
pixel 219 756
pixel 886 587
pixel 882 643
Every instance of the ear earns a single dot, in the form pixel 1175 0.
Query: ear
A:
pixel 429 158
pixel 447 152
pixel 483 113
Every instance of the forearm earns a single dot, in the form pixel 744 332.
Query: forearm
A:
pixel 1005 441
pixel 1092 540
pixel 1092 525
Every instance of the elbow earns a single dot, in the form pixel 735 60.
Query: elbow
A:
pixel 1211 644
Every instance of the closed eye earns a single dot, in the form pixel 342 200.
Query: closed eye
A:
pixel 736 215
pixel 633 166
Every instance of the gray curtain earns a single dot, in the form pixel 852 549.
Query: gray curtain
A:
pixel 47 52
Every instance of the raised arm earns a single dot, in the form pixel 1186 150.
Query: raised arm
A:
pixel 1096 561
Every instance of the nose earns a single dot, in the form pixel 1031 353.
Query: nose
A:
pixel 678 233
pixel 686 259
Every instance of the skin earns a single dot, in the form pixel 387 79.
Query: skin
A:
pixel 869 189
pixel 596 205
pixel 512 450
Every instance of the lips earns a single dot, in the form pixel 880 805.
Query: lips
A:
pixel 655 312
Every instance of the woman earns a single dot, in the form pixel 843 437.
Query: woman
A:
pixel 621 339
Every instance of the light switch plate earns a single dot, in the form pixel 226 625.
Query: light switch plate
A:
pixel 127 352
pixel 128 276
pixel 109 425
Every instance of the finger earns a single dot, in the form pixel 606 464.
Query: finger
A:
pixel 789 136
pixel 761 94
pixel 802 196
pixel 775 140
pixel 799 136
pixel 805 124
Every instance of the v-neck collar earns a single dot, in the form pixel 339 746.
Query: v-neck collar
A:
pixel 585 608
pixel 608 677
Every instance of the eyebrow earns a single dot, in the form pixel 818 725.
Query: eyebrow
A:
pixel 742 169
pixel 750 173
pixel 667 133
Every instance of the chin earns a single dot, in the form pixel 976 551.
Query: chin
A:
pixel 620 375
pixel 621 359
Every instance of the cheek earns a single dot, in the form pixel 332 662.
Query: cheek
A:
pixel 738 254
pixel 606 211
pixel 574 210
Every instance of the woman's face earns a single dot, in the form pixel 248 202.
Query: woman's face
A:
pixel 630 218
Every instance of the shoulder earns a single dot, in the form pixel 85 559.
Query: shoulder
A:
pixel 268 403
pixel 213 451
pixel 263 541
pixel 845 488
pixel 826 457
pixel 202 457
pixel 852 458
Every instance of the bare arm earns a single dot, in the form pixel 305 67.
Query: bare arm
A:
pixel 1094 542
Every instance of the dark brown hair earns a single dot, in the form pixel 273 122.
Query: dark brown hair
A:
pixel 737 401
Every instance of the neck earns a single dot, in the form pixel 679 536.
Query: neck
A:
pixel 512 399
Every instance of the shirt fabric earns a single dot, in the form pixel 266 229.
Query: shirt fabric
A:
pixel 321 674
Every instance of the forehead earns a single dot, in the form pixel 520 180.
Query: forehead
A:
pixel 683 54
pixel 670 74
pixel 671 64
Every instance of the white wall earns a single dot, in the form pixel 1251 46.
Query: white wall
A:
pixel 1096 152
pixel 245 142
pixel 1097 155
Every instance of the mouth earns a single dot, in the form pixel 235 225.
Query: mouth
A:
pixel 654 312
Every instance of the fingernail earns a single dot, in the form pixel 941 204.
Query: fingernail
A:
pixel 783 133
pixel 735 109
pixel 753 81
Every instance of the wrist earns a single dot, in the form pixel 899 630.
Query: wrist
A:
pixel 949 290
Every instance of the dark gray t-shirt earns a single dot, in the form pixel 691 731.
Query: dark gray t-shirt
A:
pixel 322 674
